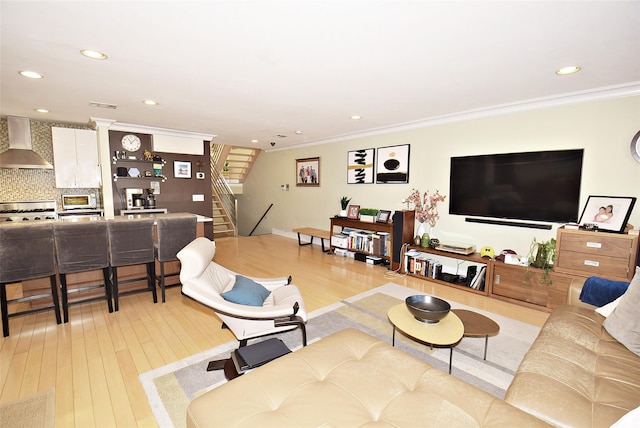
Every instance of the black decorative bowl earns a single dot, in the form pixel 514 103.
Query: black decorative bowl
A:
pixel 427 309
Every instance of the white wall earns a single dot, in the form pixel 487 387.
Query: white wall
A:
pixel 604 129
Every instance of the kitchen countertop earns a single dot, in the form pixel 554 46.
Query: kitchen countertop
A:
pixel 199 218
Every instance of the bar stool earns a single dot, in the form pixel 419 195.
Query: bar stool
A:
pixel 82 246
pixel 175 231
pixel 26 252
pixel 131 243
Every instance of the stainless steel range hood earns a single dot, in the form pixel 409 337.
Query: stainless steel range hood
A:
pixel 20 153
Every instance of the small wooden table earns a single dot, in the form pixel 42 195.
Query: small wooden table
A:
pixel 313 232
pixel 446 333
pixel 477 325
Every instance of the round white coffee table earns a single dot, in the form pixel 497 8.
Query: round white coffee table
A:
pixel 446 333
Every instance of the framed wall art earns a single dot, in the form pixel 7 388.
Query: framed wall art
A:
pixel 360 165
pixel 609 213
pixel 308 172
pixel 392 165
pixel 181 169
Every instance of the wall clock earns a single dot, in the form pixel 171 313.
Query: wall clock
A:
pixel 131 143
pixel 635 146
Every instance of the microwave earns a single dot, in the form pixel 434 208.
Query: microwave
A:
pixel 75 202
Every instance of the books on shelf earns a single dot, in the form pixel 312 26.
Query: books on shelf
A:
pixel 478 280
pixel 422 264
pixel 375 243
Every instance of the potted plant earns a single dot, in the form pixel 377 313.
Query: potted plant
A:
pixel 368 214
pixel 344 203
pixel 541 255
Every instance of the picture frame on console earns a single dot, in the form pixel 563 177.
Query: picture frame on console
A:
pixel 383 216
pixel 609 213
pixel 353 212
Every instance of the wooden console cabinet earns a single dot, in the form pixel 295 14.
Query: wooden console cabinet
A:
pixel 608 255
pixel 474 258
pixel 513 284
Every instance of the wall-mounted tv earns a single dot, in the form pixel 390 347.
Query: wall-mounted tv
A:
pixel 538 186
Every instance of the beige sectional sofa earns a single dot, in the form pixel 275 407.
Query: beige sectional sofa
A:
pixel 575 374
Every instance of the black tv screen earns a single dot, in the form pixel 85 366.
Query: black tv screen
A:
pixel 539 186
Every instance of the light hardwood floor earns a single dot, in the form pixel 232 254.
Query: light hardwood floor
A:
pixel 94 361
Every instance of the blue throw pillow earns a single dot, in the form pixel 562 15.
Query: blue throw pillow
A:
pixel 600 291
pixel 246 292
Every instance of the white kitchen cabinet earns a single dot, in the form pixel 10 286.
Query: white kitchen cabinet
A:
pixel 75 157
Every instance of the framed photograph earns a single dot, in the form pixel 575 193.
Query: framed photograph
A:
pixel 308 172
pixel 383 216
pixel 392 165
pixel 353 212
pixel 607 213
pixel 360 166
pixel 181 169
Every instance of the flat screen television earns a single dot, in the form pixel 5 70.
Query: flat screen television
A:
pixel 539 186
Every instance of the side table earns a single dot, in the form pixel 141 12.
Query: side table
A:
pixel 446 333
pixel 477 325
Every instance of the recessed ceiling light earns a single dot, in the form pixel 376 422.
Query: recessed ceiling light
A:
pixel 355 117
pixel 254 141
pixel 299 132
pixel 31 74
pixel 568 70
pixel 42 110
pixel 93 54
pixel 150 102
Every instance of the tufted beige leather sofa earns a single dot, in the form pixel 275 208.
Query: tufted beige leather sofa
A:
pixel 351 379
pixel 576 374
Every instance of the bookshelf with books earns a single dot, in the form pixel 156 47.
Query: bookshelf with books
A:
pixel 426 263
pixel 371 242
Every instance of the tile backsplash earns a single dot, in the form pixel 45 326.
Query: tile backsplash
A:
pixel 34 184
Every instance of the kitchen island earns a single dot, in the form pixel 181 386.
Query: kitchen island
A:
pixel 204 227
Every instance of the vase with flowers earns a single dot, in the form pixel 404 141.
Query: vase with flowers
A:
pixel 426 210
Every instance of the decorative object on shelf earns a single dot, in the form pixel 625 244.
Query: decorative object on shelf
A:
pixel 424 240
pixel 354 212
pixel 609 213
pixel 383 216
pixel 360 166
pixel 392 165
pixel 308 172
pixel 344 203
pixel 181 169
pixel 541 255
pixel 134 172
pixel 426 209
pixel 422 229
pixel 368 214
pixel 487 251
pixel 147 155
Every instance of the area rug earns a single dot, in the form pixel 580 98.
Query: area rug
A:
pixel 34 411
pixel 171 388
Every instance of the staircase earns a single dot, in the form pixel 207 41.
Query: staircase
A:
pixel 229 168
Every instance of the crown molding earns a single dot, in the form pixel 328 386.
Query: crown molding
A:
pixel 143 129
pixel 598 94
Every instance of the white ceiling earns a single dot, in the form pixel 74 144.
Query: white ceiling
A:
pixel 246 70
